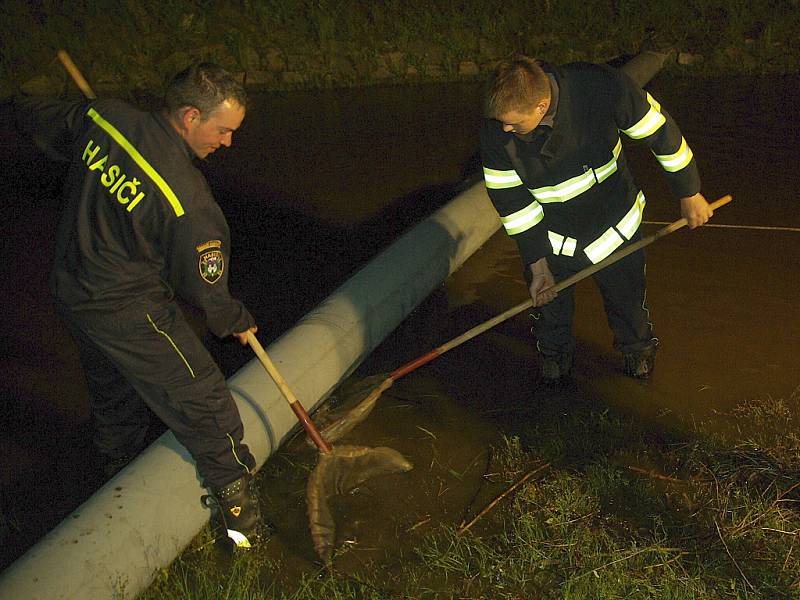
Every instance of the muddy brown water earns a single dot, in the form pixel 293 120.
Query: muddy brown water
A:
pixel 314 185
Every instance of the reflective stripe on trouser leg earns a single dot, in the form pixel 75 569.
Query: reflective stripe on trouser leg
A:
pixel 209 424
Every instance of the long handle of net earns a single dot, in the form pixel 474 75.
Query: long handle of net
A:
pixel 76 75
pixel 298 409
pixel 561 285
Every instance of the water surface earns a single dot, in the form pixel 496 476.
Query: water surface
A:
pixel 315 184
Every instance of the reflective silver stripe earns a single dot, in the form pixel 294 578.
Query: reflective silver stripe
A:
pixel 569 189
pixel 562 245
pixel 524 219
pixel 238 538
pixel 649 123
pixel 678 160
pixel 604 245
pixel 499 180
pixel 631 221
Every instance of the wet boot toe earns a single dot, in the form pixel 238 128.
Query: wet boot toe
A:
pixel 640 365
pixel 556 369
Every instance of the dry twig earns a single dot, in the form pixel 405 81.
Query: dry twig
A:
pixel 655 475
pixel 736 564
pixel 627 557
pixel 492 504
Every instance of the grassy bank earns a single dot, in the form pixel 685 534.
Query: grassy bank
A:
pixel 128 46
pixel 613 510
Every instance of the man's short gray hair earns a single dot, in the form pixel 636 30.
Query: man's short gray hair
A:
pixel 203 86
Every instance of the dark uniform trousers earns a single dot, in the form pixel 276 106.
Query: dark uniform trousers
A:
pixel 622 286
pixel 148 353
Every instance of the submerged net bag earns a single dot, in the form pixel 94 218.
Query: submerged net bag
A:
pixel 339 472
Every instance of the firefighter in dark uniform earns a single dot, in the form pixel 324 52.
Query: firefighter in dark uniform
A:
pixel 556 173
pixel 140 226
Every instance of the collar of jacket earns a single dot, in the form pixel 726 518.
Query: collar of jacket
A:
pixel 549 117
pixel 164 123
pixel 560 130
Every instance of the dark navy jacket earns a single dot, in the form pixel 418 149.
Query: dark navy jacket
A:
pixel 569 190
pixel 139 222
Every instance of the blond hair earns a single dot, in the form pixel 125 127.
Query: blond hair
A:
pixel 517 84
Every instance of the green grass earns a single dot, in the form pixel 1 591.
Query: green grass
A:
pixel 134 46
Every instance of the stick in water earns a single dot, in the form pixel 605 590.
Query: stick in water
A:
pixel 492 504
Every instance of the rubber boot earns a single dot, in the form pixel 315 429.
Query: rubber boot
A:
pixel 640 365
pixel 556 367
pixel 240 513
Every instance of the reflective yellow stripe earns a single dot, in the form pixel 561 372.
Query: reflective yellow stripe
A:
pixel 236 456
pixel 566 190
pixel 604 245
pixel 609 241
pixel 524 219
pixel 649 123
pixel 139 160
pixel 569 189
pixel 556 241
pixel 169 339
pixel 611 166
pixel 499 180
pixel 569 247
pixel 562 245
pixel 678 160
pixel 628 225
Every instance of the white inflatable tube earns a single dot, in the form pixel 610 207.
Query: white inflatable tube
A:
pixel 144 517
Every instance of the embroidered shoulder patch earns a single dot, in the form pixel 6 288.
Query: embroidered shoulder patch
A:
pixel 211 265
pixel 209 244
